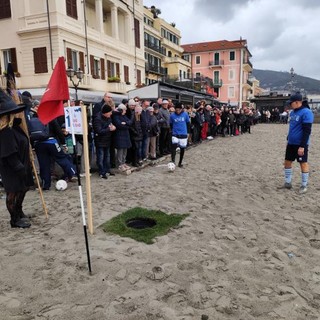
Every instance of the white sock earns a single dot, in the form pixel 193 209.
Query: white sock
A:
pixel 304 178
pixel 288 175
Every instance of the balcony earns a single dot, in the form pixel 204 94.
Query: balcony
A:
pixel 216 63
pixel 154 47
pixel 177 60
pixel 151 68
pixel 247 65
pixel 250 83
pixel 119 87
pixel 217 83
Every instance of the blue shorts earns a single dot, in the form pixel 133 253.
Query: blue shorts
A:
pixel 292 153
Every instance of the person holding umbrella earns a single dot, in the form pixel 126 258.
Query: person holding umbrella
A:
pixel 15 166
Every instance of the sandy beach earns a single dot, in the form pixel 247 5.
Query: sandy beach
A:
pixel 246 251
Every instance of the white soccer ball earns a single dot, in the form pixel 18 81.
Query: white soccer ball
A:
pixel 61 185
pixel 171 166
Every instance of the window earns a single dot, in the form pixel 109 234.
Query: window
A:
pixel 9 55
pixel 180 74
pixel 198 75
pixel 231 92
pixel 113 69
pixel 216 76
pixel 231 74
pixel 186 57
pixel 232 56
pixel 40 60
pixel 170 36
pixel 72 8
pixel 198 59
pixel 97 66
pixel 138 77
pixel 126 74
pixel 75 59
pixel 137 32
pixel 217 59
pixel 5 9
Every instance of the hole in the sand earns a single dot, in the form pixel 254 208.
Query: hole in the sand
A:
pixel 141 223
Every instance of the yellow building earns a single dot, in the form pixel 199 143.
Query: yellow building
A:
pixel 163 52
pixel 101 38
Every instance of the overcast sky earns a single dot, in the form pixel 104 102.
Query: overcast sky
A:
pixel 281 33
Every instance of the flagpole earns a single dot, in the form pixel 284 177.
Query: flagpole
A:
pixel 79 186
pixel 85 154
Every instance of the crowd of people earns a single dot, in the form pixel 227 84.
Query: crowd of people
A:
pixel 138 130
pixel 120 137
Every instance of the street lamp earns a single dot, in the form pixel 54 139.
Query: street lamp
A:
pixel 292 76
pixel 75 77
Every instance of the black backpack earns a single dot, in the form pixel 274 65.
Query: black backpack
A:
pixel 37 130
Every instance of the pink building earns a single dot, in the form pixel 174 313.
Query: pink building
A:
pixel 227 64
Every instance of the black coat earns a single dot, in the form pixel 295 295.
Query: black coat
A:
pixel 122 136
pixel 15 168
pixel 153 126
pixel 102 133
pixel 136 129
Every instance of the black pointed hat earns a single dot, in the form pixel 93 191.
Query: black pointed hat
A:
pixel 7 105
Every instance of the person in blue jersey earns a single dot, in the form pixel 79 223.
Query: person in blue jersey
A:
pixel 180 125
pixel 300 123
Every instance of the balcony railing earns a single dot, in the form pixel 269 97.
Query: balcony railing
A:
pixel 154 47
pixel 250 83
pixel 155 69
pixel 247 61
pixel 217 83
pixel 216 63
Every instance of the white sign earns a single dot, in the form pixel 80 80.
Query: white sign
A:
pixel 74 114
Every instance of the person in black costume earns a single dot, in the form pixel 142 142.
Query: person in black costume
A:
pixel 15 166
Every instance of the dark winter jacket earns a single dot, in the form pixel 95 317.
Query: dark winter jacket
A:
pixel 122 136
pixel 232 118
pixel 102 133
pixel 15 168
pixel 97 108
pixel 242 118
pixel 136 129
pixel 153 126
pixel 56 132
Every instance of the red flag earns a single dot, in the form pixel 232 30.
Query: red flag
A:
pixel 51 105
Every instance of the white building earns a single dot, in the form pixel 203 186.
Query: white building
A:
pixel 102 38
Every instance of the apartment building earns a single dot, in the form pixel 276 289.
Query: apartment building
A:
pixel 104 39
pixel 227 64
pixel 163 52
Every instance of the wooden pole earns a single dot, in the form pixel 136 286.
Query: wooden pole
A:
pixel 38 183
pixel 85 154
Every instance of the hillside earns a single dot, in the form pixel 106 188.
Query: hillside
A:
pixel 277 80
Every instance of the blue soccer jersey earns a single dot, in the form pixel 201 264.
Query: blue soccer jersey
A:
pixel 179 123
pixel 298 117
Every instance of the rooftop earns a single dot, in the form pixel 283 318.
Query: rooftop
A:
pixel 214 45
